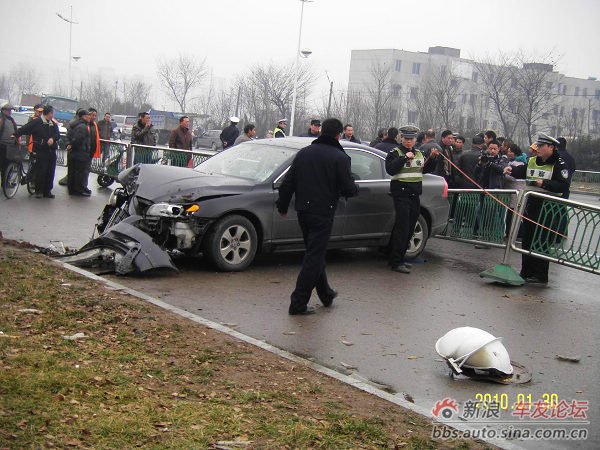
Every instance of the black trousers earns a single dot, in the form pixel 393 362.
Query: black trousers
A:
pixel 316 230
pixel 43 171
pixel 77 176
pixel 530 265
pixel 407 213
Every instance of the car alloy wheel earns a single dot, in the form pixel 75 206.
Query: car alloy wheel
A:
pixel 418 239
pixel 232 243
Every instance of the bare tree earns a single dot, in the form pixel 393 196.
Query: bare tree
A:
pixel 443 88
pixel 497 75
pixel 378 97
pixel 180 77
pixel 535 93
pixel 136 93
pixel 25 79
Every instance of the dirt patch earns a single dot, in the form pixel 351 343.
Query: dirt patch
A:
pixel 83 366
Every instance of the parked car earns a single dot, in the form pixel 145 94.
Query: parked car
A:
pixel 209 139
pixel 21 118
pixel 225 207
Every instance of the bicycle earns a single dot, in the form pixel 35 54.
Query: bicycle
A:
pixel 15 173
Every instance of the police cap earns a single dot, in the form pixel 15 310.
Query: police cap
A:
pixel 409 131
pixel 545 139
pixel 315 122
pixel 234 119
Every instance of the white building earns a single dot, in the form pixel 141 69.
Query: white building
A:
pixel 440 89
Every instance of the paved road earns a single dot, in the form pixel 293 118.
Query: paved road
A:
pixel 391 321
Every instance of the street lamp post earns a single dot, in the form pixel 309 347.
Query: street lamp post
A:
pixel 304 53
pixel 71 23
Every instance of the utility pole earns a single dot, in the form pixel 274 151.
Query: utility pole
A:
pixel 237 103
pixel 71 23
pixel 116 83
pixel 330 94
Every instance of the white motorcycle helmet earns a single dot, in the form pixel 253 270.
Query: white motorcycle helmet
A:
pixel 472 348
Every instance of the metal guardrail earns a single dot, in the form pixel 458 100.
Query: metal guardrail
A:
pixel 580 222
pixel 117 156
pixel 585 181
pixel 477 218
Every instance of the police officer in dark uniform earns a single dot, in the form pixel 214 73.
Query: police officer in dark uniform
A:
pixel 230 133
pixel 549 174
pixel 405 164
pixel 318 176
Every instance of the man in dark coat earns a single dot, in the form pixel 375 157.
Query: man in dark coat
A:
pixel 314 130
pixel 567 158
pixel 44 134
pixel 142 133
pixel 549 174
pixel 318 176
pixel 230 133
pixel 468 163
pixel 78 156
pixel 390 142
pixel 8 128
pixel 181 138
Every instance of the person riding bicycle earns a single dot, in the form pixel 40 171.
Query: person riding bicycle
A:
pixel 8 128
pixel 45 134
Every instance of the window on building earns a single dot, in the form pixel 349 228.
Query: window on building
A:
pixel 442 70
pixel 398 65
pixel 412 117
pixel 597 94
pixel 473 100
pixel 487 103
pixel 549 84
pixel 453 82
pixel 464 99
pixel 574 113
pixel 393 115
pixel 595 115
pixel 576 91
pixel 555 110
pixel 585 92
pixel 396 89
pixel 452 105
pixel 562 111
pixel 545 116
pixel 416 70
pixel 470 123
pixel 414 93
pixel 475 76
pixel 461 123
pixel 564 90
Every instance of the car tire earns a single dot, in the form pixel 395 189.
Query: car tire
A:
pixel 213 146
pixel 232 243
pixel 419 238
pixel 105 180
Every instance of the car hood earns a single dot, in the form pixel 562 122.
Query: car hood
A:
pixel 180 185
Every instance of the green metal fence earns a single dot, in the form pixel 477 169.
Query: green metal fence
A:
pixel 579 222
pixel 144 154
pixel 586 181
pixel 475 217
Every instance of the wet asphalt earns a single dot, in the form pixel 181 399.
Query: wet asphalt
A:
pixel 383 326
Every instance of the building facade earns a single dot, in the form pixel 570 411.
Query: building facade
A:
pixel 439 89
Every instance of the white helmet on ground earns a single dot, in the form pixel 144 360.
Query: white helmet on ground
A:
pixel 474 348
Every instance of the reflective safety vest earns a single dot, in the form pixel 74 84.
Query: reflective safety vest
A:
pixel 412 172
pixel 277 130
pixel 539 172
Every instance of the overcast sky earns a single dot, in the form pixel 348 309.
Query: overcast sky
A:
pixel 126 38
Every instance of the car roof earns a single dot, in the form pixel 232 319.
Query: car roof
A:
pixel 301 142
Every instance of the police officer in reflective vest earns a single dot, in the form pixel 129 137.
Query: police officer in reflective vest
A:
pixel 279 131
pixel 405 164
pixel 549 174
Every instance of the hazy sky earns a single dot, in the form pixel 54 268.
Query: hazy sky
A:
pixel 124 38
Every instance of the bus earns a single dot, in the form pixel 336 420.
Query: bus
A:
pixel 64 107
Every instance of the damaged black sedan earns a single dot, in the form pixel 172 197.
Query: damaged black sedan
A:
pixel 225 209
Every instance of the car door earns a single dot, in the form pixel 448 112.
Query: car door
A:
pixel 287 230
pixel 370 214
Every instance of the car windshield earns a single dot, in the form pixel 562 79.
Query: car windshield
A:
pixel 20 118
pixel 251 161
pixel 62 104
pixel 130 120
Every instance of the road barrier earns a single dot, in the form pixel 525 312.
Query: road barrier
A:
pixel 586 181
pixel 579 222
pixel 117 156
pixel 477 218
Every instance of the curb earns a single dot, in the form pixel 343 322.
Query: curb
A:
pixel 346 379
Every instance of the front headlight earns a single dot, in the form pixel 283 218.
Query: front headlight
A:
pixel 170 210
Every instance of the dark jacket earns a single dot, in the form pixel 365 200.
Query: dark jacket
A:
pixel 229 135
pixel 559 182
pixel 180 138
pixel 352 138
pixel 570 161
pixel 467 162
pixel 78 136
pixel 7 123
pixel 310 134
pixel 41 131
pixel 489 172
pixel 142 135
pixel 105 128
pixel 394 162
pixel 387 145
pixel 318 176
